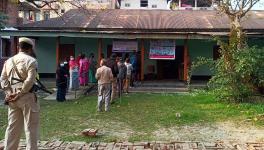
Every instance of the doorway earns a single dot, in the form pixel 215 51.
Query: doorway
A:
pixel 109 51
pixel 65 51
pixel 171 69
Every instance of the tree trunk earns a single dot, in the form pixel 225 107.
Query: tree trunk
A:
pixel 237 29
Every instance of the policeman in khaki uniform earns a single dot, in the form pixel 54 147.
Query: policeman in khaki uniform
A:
pixel 23 107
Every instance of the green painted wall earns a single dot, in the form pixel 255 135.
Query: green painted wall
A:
pixel 82 45
pixel 46 48
pixel 259 42
pixel 201 48
pixel 147 61
pixel 106 42
pixel 46 54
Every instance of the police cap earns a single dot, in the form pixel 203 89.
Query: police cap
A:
pixel 26 40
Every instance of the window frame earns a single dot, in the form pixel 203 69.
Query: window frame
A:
pixel 6 51
pixel 200 1
pixel 186 2
pixel 46 13
pixel 154 6
pixel 127 5
pixel 143 3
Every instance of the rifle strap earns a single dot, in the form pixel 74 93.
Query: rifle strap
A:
pixel 16 70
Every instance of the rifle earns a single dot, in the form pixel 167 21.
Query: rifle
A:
pixel 36 86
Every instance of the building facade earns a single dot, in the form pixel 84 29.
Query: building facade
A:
pixel 193 4
pixel 144 4
pixel 24 12
pixel 11 10
pixel 102 4
pixel 8 44
pixel 28 13
pixel 165 42
pixel 168 4
pixel 57 9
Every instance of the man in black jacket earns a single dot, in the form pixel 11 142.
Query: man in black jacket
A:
pixel 112 63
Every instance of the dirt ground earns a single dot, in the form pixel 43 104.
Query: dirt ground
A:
pixel 223 131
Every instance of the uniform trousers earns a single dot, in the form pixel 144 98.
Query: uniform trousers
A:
pixel 23 113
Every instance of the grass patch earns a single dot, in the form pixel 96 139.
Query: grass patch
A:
pixel 137 116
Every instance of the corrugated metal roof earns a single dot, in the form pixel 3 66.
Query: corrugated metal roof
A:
pixel 147 20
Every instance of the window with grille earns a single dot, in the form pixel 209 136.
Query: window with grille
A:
pixel 46 15
pixel 5 48
pixel 154 6
pixel 37 16
pixel 143 3
pixel 31 16
pixel 187 3
pixel 127 5
pixel 204 3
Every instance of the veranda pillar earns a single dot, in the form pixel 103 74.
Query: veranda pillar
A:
pixel 100 47
pixel 57 49
pixel 142 60
pixel 186 60
pixel 14 45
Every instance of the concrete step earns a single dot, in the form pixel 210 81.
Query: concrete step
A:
pixel 170 84
pixel 158 89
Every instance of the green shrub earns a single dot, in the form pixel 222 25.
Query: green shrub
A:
pixel 238 74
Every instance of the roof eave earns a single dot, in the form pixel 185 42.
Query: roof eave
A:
pixel 121 35
pixel 79 29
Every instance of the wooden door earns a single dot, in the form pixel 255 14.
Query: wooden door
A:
pixel 109 51
pixel 171 69
pixel 167 69
pixel 216 52
pixel 180 61
pixel 65 51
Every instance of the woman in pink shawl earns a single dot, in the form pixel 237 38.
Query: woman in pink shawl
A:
pixel 83 70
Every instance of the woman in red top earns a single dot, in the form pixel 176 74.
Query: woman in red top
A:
pixel 74 78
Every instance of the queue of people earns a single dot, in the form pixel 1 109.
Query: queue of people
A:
pixel 23 104
pixel 118 78
pixel 82 70
pixel 74 73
